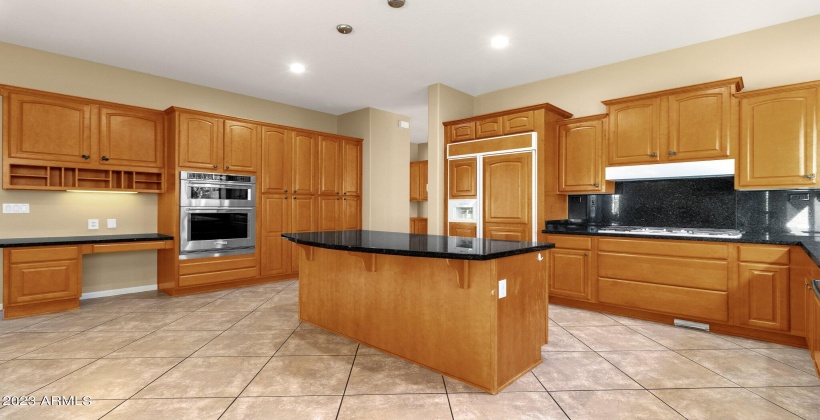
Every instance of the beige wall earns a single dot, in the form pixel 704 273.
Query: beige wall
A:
pixel 66 214
pixel 385 167
pixel 773 56
pixel 443 104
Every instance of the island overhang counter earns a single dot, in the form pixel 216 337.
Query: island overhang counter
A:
pixel 472 309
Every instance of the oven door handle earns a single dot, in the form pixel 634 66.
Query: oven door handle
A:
pixel 214 209
pixel 218 184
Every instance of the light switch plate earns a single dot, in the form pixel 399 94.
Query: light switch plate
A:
pixel 15 208
pixel 502 288
pixel 93 224
pixel 112 223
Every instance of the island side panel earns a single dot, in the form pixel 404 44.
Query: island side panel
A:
pixel 522 314
pixel 409 306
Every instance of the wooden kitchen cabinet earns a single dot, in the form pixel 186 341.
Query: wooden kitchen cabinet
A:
pixel 330 165
pixel 581 156
pixel 329 213
pixel 813 321
pixel 488 127
pixel 571 267
pixel 463 178
pixel 351 213
pixel 59 142
pixel 351 167
pixel 467 230
pixel 418 225
pixel 684 124
pixel 518 122
pixel 213 144
pixel 508 196
pixel 462 132
pixel 304 163
pixel 276 161
pixel 763 287
pixel 418 180
pixel 778 137
pixel 131 137
pixel 41 280
pixel 275 220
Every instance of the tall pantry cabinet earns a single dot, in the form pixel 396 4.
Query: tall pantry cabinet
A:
pixel 306 181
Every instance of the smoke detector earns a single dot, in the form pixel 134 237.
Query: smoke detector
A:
pixel 395 3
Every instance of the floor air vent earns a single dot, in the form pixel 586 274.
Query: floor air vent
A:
pixel 691 324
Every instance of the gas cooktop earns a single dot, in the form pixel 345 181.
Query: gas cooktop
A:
pixel 672 231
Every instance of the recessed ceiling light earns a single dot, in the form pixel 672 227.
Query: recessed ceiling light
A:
pixel 500 41
pixel 344 29
pixel 297 68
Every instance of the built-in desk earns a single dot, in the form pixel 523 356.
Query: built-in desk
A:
pixel 473 309
pixel 44 275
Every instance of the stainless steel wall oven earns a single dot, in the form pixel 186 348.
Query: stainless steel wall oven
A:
pixel 217 214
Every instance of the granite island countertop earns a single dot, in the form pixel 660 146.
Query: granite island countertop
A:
pixel 82 240
pixel 413 245
pixel 809 241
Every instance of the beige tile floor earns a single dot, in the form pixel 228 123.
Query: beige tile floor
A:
pixel 244 354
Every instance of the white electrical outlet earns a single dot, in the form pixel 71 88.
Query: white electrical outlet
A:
pixel 15 208
pixel 93 224
pixel 112 223
pixel 502 288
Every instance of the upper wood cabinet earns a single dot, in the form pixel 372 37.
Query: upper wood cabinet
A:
pixel 461 132
pixel 778 137
pixel 507 201
pixel 685 124
pixel 330 165
pixel 418 180
pixel 520 120
pixel 488 127
pixel 581 156
pixel 276 160
pixel 131 137
pixel 418 225
pixel 463 178
pixel 207 142
pixel 351 167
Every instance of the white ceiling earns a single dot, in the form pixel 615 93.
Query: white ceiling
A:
pixel 246 46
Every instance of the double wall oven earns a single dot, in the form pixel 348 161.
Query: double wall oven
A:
pixel 217 215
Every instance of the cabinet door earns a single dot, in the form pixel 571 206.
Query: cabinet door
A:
pixel 423 169
pixel 330 165
pixel 570 274
pixel 415 180
pixel 634 132
pixel 467 230
pixel 200 145
pixel 520 122
pixel 304 163
pixel 275 249
pixel 763 296
pixel 42 274
pixel 131 137
pixel 462 132
pixel 508 191
pixel 351 167
pixel 45 128
pixel 276 162
pixel 351 213
pixel 489 127
pixel 700 125
pixel 507 231
pixel 580 152
pixel 330 213
pixel 421 226
pixel 241 146
pixel 778 144
pixel 814 337
pixel 302 219
pixel 463 175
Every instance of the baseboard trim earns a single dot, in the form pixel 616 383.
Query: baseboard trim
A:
pixel 115 292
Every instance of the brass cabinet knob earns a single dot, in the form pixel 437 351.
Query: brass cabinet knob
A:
pixel 596 185
pixel 286 190
pixel 86 157
pixel 808 176
pixel 586 254
pixel 105 158
pixel 672 153
pixel 215 166
pixel 653 154
pixel 227 166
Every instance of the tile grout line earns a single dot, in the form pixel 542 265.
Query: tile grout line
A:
pixel 447 395
pixel 550 394
pixel 349 375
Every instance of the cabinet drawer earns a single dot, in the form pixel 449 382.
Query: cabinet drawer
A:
pixel 665 247
pixel 212 266
pixel 683 272
pixel 570 242
pixel 763 254
pixel 679 301
pixel 216 277
pixel 131 246
pixel 26 255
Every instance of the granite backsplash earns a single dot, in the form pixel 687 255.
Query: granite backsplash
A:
pixel 699 203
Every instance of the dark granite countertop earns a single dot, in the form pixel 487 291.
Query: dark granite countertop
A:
pixel 412 245
pixel 82 240
pixel 810 241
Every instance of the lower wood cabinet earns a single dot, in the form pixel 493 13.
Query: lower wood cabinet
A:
pixel 40 275
pixel 570 271
pixel 216 270
pixel 763 296
pixel 813 325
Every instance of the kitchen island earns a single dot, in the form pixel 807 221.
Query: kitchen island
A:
pixel 472 309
